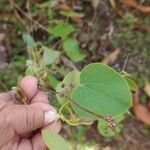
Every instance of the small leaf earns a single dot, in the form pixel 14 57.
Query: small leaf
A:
pixel 50 55
pixel 71 14
pixel 133 86
pixel 52 81
pixel 27 38
pixel 102 125
pixel 61 30
pixel 32 68
pixel 29 71
pixel 71 47
pixel 54 141
pixel 71 78
pixel 102 90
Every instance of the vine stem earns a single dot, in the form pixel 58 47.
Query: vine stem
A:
pixel 87 110
pixel 72 101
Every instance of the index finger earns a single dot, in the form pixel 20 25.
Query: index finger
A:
pixel 29 86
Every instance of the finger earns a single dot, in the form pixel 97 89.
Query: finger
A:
pixel 55 126
pixel 7 133
pixel 11 144
pixel 29 86
pixel 26 118
pixel 40 97
pixel 37 141
pixel 24 144
pixel 43 106
pixel 7 97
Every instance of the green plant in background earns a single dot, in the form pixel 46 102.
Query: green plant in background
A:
pixel 70 46
pixel 134 42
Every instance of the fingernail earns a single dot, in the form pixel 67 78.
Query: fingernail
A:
pixel 50 116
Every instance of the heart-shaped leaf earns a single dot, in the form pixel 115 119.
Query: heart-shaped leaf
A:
pixel 102 90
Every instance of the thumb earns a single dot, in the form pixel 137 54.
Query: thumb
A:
pixel 27 118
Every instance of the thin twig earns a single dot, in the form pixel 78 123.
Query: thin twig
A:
pixel 68 63
pixel 28 17
pixel 125 62
pixel 18 16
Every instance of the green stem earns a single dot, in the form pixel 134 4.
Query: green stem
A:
pixel 72 101
pixel 63 106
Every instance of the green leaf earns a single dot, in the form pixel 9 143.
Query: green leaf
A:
pixel 61 30
pixel 71 78
pixel 50 55
pixel 53 82
pixel 102 125
pixel 44 4
pixel 133 86
pixel 29 71
pixel 32 68
pixel 27 38
pixel 71 14
pixel 71 47
pixel 102 90
pixel 54 141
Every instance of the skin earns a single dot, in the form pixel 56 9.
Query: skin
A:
pixel 21 125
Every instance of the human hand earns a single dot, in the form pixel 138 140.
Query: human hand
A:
pixel 21 125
